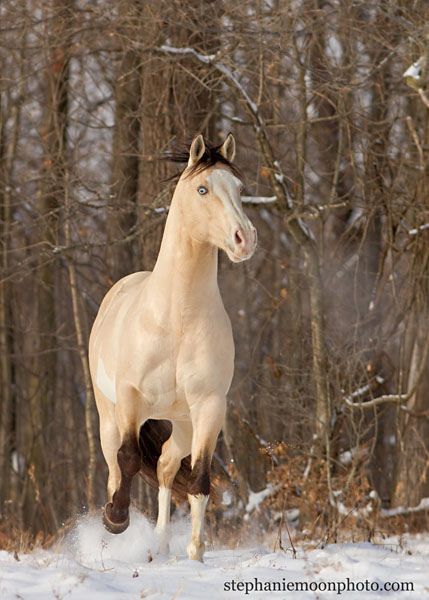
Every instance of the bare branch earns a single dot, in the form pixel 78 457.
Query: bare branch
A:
pixel 390 398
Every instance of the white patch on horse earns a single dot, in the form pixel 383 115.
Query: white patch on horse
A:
pixel 105 384
pixel 226 187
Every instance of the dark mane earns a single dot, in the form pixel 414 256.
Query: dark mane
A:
pixel 211 157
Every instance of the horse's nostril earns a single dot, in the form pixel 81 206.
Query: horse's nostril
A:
pixel 239 237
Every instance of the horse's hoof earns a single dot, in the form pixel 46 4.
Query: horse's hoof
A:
pixel 162 545
pixel 196 551
pixel 110 525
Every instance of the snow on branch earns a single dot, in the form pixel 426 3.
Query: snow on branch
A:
pixel 414 78
pixel 405 510
pixel 210 59
pixel 255 498
pixel 386 398
pixel 310 211
pixel 258 199
pixel 358 393
pixel 416 230
pixel 362 391
pixel 244 199
pixel 413 75
pixel 205 58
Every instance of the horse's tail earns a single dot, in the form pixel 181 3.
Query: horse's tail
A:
pixel 153 434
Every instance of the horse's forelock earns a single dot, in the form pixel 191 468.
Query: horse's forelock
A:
pixel 211 157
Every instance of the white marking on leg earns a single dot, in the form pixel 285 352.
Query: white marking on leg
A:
pixel 196 546
pixel 105 384
pixel 162 525
pixel 164 499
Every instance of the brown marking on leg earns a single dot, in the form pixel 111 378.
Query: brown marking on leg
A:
pixel 116 513
pixel 200 476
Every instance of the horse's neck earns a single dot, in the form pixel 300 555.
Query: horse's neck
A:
pixel 185 269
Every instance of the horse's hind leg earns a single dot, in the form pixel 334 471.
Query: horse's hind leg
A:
pixel 207 419
pixel 174 449
pixel 116 512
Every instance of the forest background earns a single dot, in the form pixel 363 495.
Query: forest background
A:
pixel 328 412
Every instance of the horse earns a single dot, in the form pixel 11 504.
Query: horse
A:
pixel 161 348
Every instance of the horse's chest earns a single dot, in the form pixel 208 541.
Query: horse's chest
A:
pixel 157 377
pixel 170 369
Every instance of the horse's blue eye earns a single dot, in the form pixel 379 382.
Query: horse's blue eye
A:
pixel 202 190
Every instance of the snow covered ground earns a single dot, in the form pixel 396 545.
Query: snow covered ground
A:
pixel 92 564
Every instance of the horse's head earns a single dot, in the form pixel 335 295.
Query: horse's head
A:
pixel 209 191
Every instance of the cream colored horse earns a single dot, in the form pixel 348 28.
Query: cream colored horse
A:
pixel 161 346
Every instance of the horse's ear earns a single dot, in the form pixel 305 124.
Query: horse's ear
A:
pixel 228 148
pixel 196 150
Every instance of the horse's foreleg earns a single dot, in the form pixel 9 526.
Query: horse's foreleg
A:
pixel 116 512
pixel 174 449
pixel 110 439
pixel 110 444
pixel 207 419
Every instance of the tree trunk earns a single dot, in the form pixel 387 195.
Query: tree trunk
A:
pixel 122 218
pixel 411 479
pixel 7 156
pixel 53 135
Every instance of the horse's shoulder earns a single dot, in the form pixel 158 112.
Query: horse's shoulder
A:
pixel 123 286
pixel 130 281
